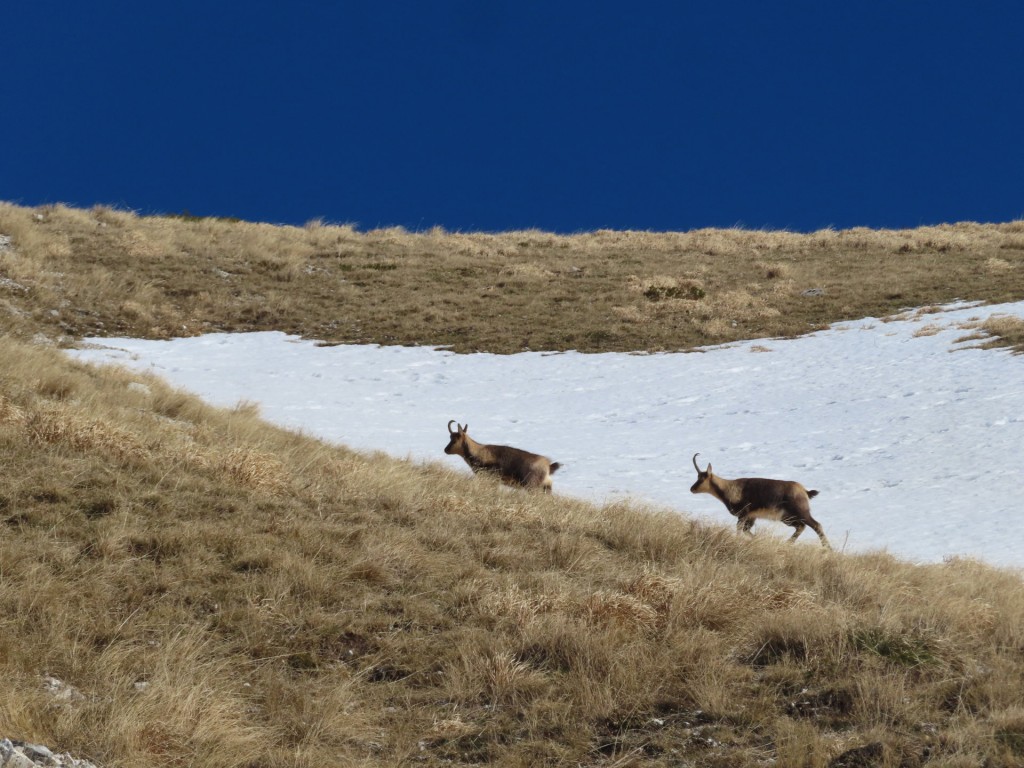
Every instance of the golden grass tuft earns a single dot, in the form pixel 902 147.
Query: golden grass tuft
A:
pixel 997 330
pixel 61 425
pixel 255 469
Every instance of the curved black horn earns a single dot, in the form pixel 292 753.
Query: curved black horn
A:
pixel 695 463
pixel 450 432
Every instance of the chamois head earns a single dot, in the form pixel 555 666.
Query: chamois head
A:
pixel 458 438
pixel 703 484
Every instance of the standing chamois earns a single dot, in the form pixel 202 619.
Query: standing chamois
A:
pixel 511 465
pixel 751 498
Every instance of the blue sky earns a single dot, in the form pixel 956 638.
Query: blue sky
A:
pixel 476 115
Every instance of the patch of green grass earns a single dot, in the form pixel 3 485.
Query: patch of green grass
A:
pixel 901 648
pixel 662 292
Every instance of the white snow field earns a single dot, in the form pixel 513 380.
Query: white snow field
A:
pixel 912 437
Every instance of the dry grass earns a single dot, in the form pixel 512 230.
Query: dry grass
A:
pixel 67 273
pixel 182 585
pixel 998 330
pixel 294 604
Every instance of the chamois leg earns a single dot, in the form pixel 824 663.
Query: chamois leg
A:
pixel 796 533
pixel 816 527
pixel 537 481
pixel 744 524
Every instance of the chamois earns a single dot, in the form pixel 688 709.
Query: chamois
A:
pixel 751 498
pixel 511 465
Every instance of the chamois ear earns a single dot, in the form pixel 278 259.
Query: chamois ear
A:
pixel 464 428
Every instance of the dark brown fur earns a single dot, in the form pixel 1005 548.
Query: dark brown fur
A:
pixel 751 498
pixel 512 465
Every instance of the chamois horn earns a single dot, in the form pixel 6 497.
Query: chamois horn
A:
pixel 699 470
pixel 450 430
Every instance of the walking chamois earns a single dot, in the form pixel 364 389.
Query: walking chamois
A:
pixel 512 465
pixel 753 498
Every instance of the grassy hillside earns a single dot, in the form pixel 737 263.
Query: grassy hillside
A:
pixel 102 272
pixel 182 585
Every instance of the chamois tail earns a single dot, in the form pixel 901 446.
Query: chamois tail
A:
pixel 554 467
pixel 811 494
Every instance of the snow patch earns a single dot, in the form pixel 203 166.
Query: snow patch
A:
pixel 914 443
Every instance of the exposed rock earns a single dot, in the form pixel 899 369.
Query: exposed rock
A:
pixel 61 690
pixel 11 757
pixel 22 754
pixel 10 285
